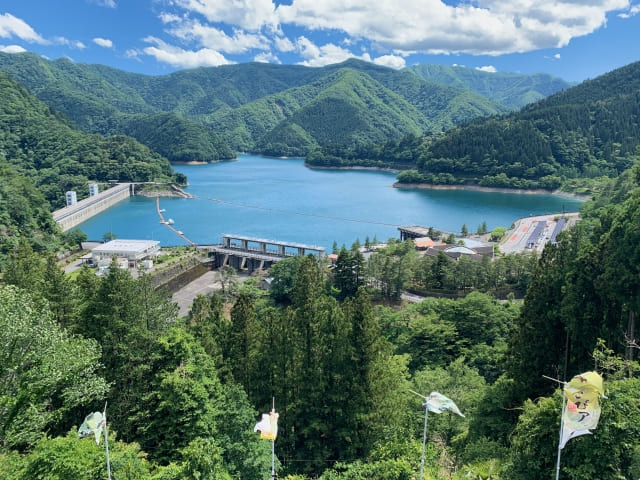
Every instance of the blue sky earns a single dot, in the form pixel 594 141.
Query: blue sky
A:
pixel 571 39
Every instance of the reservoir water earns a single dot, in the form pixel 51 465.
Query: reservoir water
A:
pixel 281 199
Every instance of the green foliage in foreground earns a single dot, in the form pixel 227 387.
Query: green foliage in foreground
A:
pixel 534 442
pixel 184 394
pixel 46 372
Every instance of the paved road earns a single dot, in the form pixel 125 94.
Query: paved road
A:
pixel 205 284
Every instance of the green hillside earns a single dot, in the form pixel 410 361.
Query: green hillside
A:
pixel 589 131
pixel 24 213
pixel 242 107
pixel 42 145
pixel 513 90
pixel 345 107
pixel 110 102
pixel 176 137
pixel 369 104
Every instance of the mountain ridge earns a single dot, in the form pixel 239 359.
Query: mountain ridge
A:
pixel 102 99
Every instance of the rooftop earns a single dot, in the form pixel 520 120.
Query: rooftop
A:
pixel 128 246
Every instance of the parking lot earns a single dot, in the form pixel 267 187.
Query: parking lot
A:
pixel 533 233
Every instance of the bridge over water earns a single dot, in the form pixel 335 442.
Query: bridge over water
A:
pixel 250 253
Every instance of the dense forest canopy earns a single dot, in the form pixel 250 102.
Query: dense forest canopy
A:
pixel 586 132
pixel 43 146
pixel 262 108
pixel 340 356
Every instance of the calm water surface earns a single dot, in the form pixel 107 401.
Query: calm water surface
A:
pixel 281 199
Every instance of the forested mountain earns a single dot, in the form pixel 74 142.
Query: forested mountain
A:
pixel 513 90
pixel 588 131
pixel 275 109
pixel 345 107
pixel 45 147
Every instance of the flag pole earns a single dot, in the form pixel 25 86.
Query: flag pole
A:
pixel 561 435
pixel 106 440
pixel 273 443
pixel 424 433
pixel 563 383
pixel 561 424
pixel 424 441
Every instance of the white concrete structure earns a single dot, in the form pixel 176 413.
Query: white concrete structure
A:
pixel 134 251
pixel 93 189
pixel 72 215
pixel 71 198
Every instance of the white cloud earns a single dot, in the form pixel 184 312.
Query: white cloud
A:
pixel 11 26
pixel 283 44
pixel 134 54
pixel 104 3
pixel 216 39
pixel 180 58
pixel 76 44
pixel 11 49
pixel 247 14
pixel 557 56
pixel 491 27
pixel 103 42
pixel 393 61
pixel 395 29
pixel 634 10
pixel 315 56
pixel 266 57
pixel 487 68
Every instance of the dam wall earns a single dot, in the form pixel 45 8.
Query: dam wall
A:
pixel 73 215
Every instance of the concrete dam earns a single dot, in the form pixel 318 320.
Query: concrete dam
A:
pixel 73 215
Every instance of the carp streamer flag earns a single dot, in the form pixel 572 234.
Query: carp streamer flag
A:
pixel 268 426
pixel 582 411
pixel 438 403
pixel 92 425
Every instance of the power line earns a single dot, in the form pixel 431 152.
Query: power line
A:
pixel 290 212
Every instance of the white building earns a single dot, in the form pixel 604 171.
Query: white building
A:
pixel 131 251
pixel 71 198
pixel 93 189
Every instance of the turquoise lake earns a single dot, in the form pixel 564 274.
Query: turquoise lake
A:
pixel 281 199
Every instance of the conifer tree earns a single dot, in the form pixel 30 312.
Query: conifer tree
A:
pixel 241 340
pixel 24 267
pixel 59 290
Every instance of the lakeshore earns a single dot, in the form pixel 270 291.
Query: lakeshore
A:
pixel 478 188
pixel 467 187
